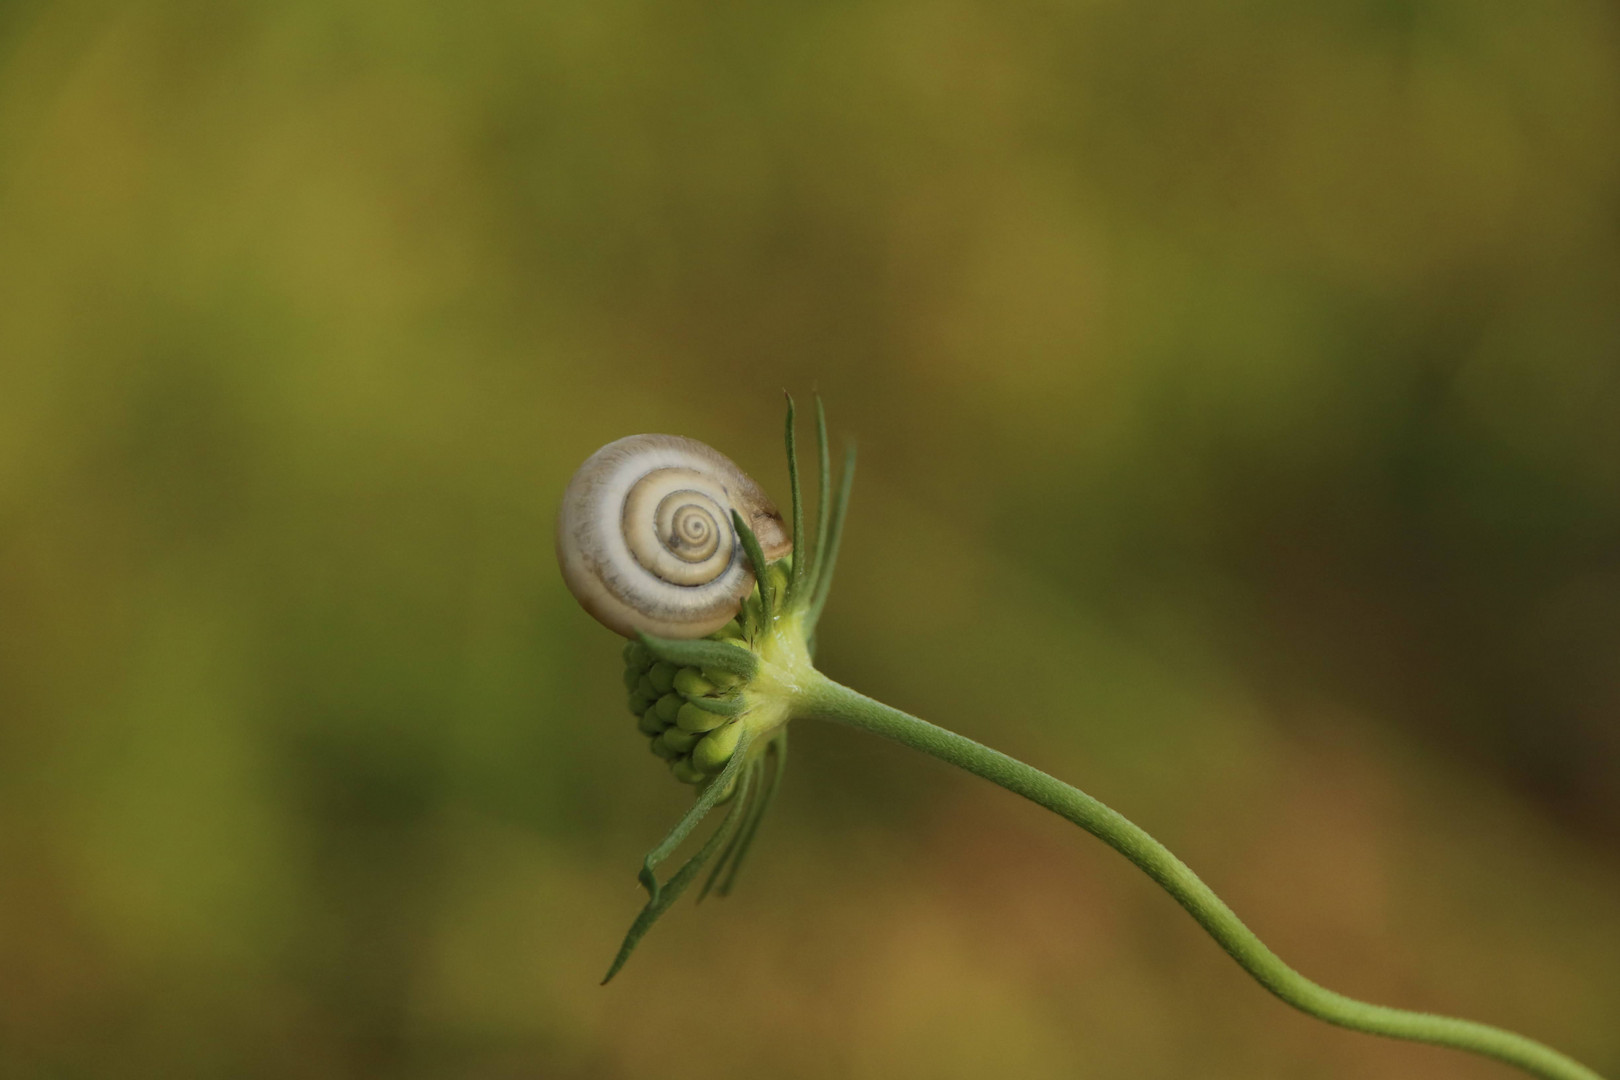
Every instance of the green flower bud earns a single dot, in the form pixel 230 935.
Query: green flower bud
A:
pixel 668 706
pixel 685 773
pixel 631 678
pixel 639 703
pixel 678 740
pixel 731 630
pixel 651 723
pixel 692 718
pixel 725 680
pixel 692 684
pixel 662 676
pixel 668 753
pixel 637 656
pixel 716 749
pixel 646 689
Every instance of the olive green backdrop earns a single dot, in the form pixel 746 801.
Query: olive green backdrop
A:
pixel 1238 394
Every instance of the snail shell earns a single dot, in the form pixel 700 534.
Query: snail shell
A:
pixel 645 538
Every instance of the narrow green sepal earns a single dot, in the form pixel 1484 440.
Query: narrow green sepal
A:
pixel 706 801
pixel 828 558
pixel 661 899
pixel 824 492
pixel 795 583
pixel 747 810
pixel 770 784
pixel 702 653
pixel 756 562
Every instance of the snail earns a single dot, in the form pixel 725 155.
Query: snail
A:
pixel 645 538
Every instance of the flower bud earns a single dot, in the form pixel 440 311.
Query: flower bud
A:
pixel 716 749
pixel 639 703
pixel 668 706
pixel 636 657
pixel 691 684
pixel 678 740
pixel 685 773
pixel 692 718
pixel 724 680
pixel 662 676
pixel 650 722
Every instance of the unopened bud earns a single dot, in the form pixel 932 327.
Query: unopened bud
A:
pixel 650 723
pixel 685 773
pixel 662 675
pixel 724 680
pixel 668 706
pixel 678 740
pixel 692 684
pixel 716 749
pixel 692 718
pixel 636 656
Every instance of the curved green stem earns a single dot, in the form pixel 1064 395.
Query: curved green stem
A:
pixel 828 700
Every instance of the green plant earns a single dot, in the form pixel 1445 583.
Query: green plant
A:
pixel 660 533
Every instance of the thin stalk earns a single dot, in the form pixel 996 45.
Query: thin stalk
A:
pixel 830 701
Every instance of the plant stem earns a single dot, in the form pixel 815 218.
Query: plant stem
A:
pixel 828 700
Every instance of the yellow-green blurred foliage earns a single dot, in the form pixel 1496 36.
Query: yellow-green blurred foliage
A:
pixel 1238 388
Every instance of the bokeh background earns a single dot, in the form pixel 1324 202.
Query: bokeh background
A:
pixel 1238 394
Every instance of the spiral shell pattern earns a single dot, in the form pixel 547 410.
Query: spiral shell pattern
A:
pixel 645 538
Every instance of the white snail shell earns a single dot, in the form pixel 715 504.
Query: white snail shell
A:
pixel 645 538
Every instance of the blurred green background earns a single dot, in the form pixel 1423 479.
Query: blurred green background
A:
pixel 1238 394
